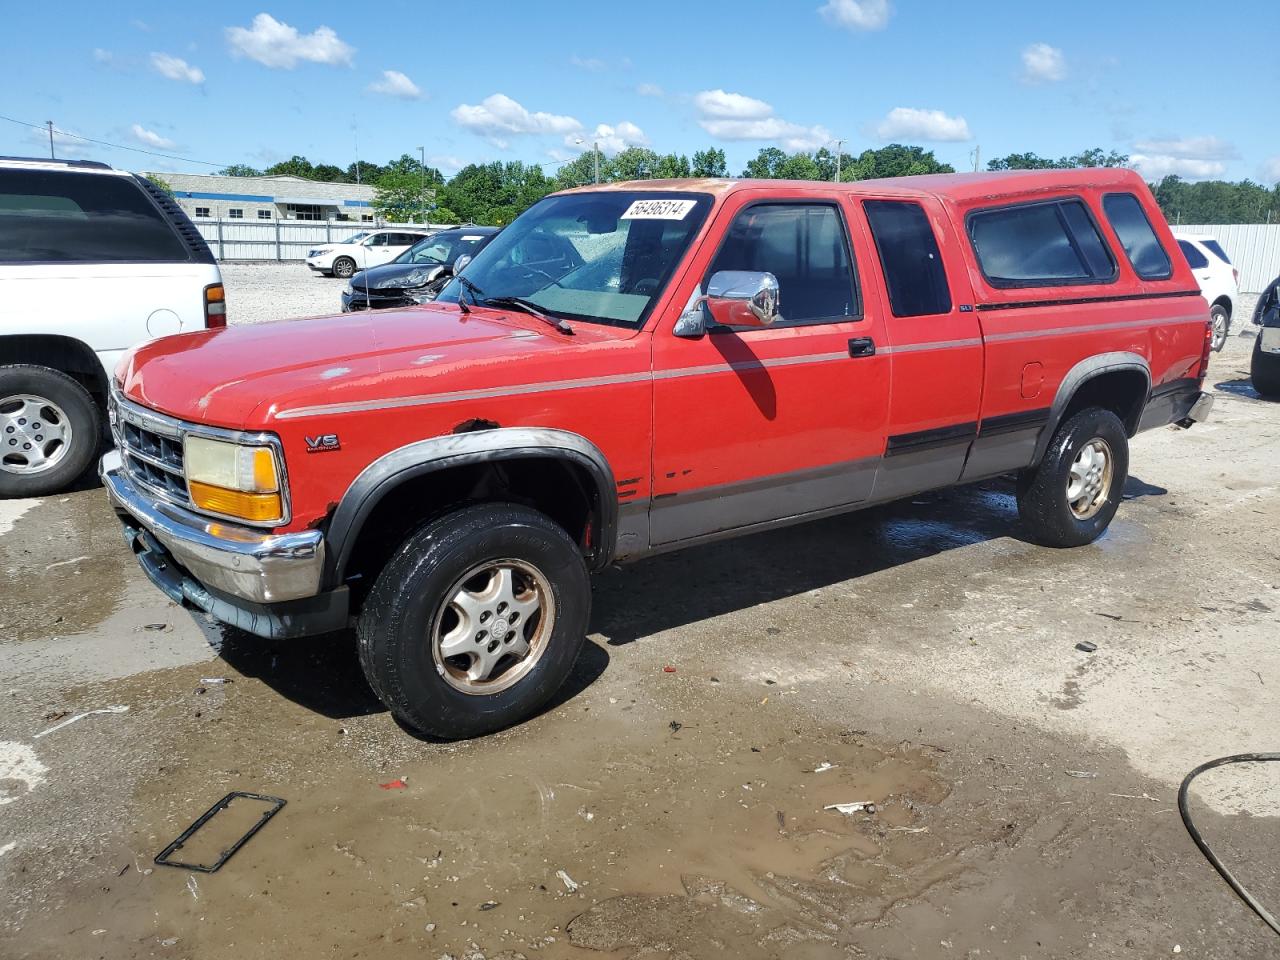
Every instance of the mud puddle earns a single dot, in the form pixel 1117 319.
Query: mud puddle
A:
pixel 608 824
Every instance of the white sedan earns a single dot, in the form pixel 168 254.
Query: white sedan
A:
pixel 369 249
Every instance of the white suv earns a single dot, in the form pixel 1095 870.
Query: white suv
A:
pixel 364 250
pixel 1218 280
pixel 92 262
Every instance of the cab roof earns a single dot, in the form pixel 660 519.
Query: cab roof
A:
pixel 959 187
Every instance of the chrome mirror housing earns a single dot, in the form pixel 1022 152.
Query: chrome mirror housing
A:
pixel 734 298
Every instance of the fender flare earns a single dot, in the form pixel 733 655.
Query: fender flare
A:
pixel 464 449
pixel 1088 369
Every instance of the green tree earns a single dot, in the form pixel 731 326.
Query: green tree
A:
pixel 765 165
pixel 1216 201
pixel 580 171
pixel 295 166
pixel 398 196
pixel 160 182
pixel 672 166
pixel 239 170
pixel 494 193
pixel 710 163
pixel 1093 157
pixel 895 160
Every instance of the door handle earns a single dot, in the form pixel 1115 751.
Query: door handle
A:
pixel 862 347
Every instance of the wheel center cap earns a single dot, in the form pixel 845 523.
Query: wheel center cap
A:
pixel 500 628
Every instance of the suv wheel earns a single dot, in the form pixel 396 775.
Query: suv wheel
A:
pixel 49 430
pixel 1221 321
pixel 476 621
pixel 344 267
pixel 1070 498
pixel 1264 370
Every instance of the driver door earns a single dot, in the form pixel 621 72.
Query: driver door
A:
pixel 759 425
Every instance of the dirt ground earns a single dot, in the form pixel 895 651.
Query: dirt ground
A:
pixel 921 657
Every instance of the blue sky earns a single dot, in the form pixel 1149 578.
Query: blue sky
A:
pixel 1189 88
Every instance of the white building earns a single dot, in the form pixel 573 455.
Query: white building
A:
pixel 283 197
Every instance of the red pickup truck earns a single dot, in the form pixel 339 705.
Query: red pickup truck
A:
pixel 638 367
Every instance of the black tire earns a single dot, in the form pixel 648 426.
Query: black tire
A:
pixel 344 268
pixel 1264 370
pixel 1221 318
pixel 82 414
pixel 395 627
pixel 1042 490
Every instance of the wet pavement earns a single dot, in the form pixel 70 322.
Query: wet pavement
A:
pixel 919 657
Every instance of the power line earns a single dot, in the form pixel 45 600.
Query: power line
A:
pixel 106 143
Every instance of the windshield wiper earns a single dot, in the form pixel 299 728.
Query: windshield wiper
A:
pixel 529 307
pixel 467 287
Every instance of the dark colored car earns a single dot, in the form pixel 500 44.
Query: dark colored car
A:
pixel 1265 367
pixel 418 274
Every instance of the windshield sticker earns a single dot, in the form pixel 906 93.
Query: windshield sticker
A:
pixel 659 210
pixel 472 238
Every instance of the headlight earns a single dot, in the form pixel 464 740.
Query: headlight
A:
pixel 233 479
pixel 349 290
pixel 321 251
pixel 417 278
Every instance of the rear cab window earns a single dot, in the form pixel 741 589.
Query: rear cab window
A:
pixel 53 216
pixel 1133 229
pixel 1040 244
pixel 909 255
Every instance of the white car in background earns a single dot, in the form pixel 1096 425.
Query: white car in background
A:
pixel 372 248
pixel 93 261
pixel 1218 279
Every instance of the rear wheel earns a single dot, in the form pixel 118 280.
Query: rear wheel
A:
pixel 49 430
pixel 344 267
pixel 1070 498
pixel 1264 370
pixel 476 621
pixel 1221 321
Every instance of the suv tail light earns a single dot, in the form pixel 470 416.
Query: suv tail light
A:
pixel 1206 350
pixel 215 306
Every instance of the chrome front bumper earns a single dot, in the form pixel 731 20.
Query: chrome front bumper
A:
pixel 239 561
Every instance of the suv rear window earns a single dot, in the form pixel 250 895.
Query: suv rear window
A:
pixel 909 253
pixel 48 216
pixel 1216 249
pixel 1043 244
pixel 1195 259
pixel 1141 246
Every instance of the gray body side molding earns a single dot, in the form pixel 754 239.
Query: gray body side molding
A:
pixel 1086 370
pixel 464 449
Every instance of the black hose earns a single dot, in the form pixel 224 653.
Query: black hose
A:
pixel 1183 809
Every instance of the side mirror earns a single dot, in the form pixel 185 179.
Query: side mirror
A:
pixel 460 263
pixel 734 298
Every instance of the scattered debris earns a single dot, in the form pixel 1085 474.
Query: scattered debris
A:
pixel 715 679
pixel 213 680
pixel 163 857
pixel 7 847
pixel 569 883
pixel 80 716
pixel 54 715
pixel 908 829
pixel 764 701
pixel 823 767
pixel 156 626
pixel 431 928
pixel 1081 774
pixel 488 904
pixel 1130 796
pixel 849 809
pixel 194 888
pixel 668 669
pixel 782 820
pixel 396 784
pixel 675 726
pixel 168 941
pixel 1086 646
pixel 586 814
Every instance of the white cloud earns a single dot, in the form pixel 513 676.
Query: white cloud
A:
pixel 612 139
pixel 175 68
pixel 65 145
pixel 1042 63
pixel 731 106
pixel 498 116
pixel 909 123
pixel 592 64
pixel 396 84
pixel 650 90
pixel 1271 170
pixel 105 57
pixel 150 138
pixel 445 163
pixel 1194 148
pixel 857 14
pixel 278 45
pixel 1158 166
pixel 734 116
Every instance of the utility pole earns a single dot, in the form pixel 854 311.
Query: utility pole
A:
pixel 839 150
pixel 595 149
pixel 49 124
pixel 976 154
pixel 422 188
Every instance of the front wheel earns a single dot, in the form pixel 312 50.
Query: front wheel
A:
pixel 50 429
pixel 1068 500
pixel 343 268
pixel 476 621
pixel 1221 321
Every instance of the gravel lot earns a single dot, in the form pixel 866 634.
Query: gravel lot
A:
pixel 1025 789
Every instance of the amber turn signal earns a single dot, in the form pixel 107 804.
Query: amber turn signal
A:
pixel 256 507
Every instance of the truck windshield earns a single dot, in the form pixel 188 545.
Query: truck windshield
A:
pixel 601 257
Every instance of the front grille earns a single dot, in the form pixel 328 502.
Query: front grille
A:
pixel 152 456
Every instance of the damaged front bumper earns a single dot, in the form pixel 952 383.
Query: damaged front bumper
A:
pixel 267 584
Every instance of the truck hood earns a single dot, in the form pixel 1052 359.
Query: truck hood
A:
pixel 246 376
